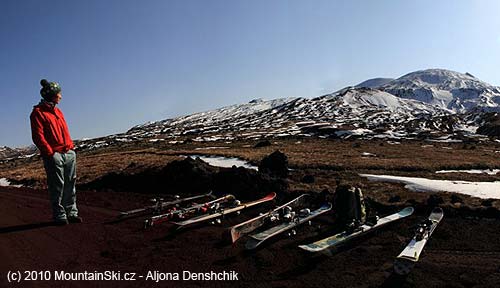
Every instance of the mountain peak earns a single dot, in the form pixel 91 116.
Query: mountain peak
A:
pixel 448 89
pixel 441 79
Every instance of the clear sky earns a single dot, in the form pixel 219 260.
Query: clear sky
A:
pixel 125 62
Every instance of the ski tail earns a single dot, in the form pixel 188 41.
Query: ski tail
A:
pixel 411 253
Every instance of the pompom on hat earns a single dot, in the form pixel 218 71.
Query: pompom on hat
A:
pixel 49 89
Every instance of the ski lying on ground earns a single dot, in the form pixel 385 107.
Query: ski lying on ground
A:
pixel 306 215
pixel 340 238
pixel 250 225
pixel 187 211
pixel 224 211
pixel 410 255
pixel 160 205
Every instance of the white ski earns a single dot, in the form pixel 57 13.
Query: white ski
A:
pixel 411 254
pixel 340 238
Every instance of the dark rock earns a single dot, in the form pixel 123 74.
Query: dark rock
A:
pixel 394 199
pixel 192 176
pixel 434 200
pixel 489 212
pixel 491 126
pixel 275 164
pixel 187 176
pixel 487 202
pixel 264 143
pixel 246 184
pixel 308 179
pixel 456 199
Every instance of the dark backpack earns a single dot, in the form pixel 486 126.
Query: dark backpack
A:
pixel 349 205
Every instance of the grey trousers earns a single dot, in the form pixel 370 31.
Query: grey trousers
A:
pixel 61 180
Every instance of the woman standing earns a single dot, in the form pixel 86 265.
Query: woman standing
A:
pixel 51 135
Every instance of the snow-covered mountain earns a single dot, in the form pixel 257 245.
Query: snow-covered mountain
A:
pixel 350 111
pixel 434 103
pixel 448 89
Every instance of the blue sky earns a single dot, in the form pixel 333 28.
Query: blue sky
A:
pixel 122 62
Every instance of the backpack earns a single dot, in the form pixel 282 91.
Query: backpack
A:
pixel 349 205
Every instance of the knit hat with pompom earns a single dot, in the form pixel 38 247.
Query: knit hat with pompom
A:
pixel 49 89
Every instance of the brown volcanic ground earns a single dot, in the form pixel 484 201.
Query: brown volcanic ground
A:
pixel 463 252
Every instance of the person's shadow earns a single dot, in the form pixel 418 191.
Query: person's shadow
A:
pixel 25 227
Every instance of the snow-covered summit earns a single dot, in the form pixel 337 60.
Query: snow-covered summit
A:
pixel 440 79
pixel 452 90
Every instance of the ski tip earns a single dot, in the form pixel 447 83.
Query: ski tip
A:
pixel 270 196
pixel 304 247
pixel 235 235
pixel 436 214
pixel 308 248
pixel 407 211
pixel 326 206
pixel 252 244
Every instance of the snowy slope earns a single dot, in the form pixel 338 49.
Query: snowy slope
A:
pixel 350 111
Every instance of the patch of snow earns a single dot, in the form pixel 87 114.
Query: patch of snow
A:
pixel 482 190
pixel 209 148
pixel 28 156
pixel 472 171
pixel 6 183
pixel 367 154
pixel 226 162
pixel 361 131
pixel 445 140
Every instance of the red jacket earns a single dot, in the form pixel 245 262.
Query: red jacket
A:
pixel 49 130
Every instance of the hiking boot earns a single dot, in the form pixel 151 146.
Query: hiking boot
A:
pixel 60 222
pixel 75 219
